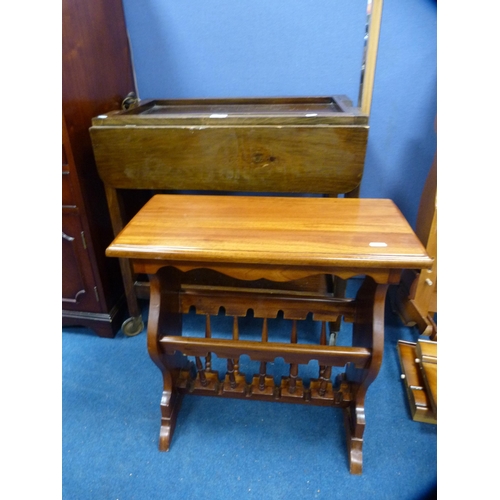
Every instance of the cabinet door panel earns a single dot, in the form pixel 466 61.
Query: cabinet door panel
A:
pixel 78 286
pixel 68 198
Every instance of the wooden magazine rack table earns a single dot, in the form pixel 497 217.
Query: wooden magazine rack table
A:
pixel 278 239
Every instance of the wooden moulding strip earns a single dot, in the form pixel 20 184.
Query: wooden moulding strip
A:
pixel 371 56
pixel 269 351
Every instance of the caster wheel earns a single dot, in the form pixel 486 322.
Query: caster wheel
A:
pixel 133 326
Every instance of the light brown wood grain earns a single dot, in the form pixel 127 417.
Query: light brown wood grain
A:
pixel 294 159
pixel 371 56
pixel 318 232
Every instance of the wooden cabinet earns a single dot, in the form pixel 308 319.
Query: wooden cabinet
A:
pixel 84 301
pixel 96 76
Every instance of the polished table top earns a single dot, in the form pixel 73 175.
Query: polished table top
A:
pixel 294 231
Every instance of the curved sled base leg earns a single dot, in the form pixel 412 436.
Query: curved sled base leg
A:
pixel 169 413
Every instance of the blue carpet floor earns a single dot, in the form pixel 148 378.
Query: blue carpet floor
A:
pixel 225 449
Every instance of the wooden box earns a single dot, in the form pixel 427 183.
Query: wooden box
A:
pixel 273 145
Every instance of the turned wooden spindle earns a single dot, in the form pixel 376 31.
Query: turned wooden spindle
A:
pixel 294 368
pixel 233 364
pixel 208 335
pixel 325 378
pixel 322 341
pixel 201 372
pixel 262 371
pixel 236 336
pixel 230 372
pixel 325 372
